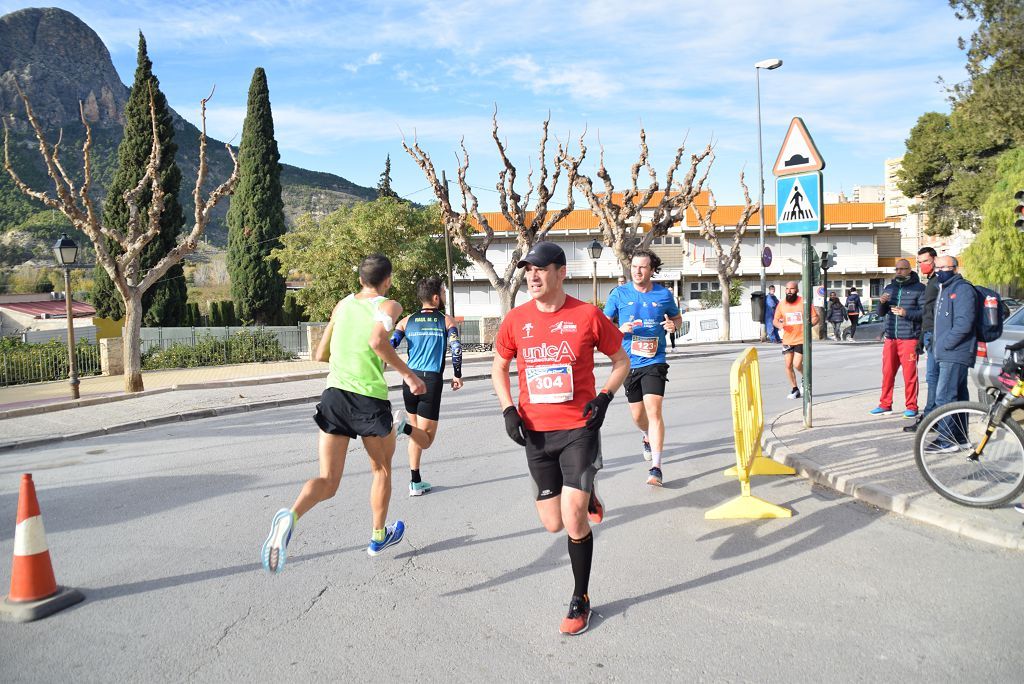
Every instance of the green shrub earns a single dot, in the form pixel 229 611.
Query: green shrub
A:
pixel 245 346
pixel 22 362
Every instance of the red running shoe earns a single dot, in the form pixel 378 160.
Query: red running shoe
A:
pixel 578 619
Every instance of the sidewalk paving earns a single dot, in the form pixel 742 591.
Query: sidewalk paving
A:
pixel 872 459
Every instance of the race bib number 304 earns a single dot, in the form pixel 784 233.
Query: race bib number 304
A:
pixel 549 384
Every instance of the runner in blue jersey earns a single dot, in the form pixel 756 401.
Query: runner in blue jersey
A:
pixel 645 312
pixel 429 333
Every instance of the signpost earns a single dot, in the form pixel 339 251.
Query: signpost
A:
pixel 799 210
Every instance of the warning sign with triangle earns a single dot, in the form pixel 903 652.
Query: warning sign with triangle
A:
pixel 799 209
pixel 798 153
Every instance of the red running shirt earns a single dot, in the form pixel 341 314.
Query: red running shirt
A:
pixel 554 355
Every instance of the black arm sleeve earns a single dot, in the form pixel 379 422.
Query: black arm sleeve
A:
pixel 456 346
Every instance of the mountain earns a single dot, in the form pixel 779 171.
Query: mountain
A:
pixel 58 61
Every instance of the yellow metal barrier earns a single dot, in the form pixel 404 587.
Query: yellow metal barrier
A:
pixel 748 423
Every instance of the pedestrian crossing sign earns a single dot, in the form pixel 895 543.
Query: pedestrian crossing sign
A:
pixel 799 207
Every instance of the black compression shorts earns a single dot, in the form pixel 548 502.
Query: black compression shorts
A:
pixel 563 458
pixel 428 404
pixel 792 349
pixel 341 412
pixel 646 380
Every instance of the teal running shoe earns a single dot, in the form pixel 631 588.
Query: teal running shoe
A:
pixel 275 549
pixel 418 488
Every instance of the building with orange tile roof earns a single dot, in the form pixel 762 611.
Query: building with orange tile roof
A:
pixel 867 241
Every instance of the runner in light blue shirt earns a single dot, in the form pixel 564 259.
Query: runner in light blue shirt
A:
pixel 645 313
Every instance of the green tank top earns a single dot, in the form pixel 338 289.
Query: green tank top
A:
pixel 354 366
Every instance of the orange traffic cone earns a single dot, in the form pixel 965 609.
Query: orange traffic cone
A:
pixel 34 591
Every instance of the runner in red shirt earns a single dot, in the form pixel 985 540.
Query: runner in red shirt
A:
pixel 552 338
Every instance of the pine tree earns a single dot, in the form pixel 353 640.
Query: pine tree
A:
pixel 256 216
pixel 384 184
pixel 164 303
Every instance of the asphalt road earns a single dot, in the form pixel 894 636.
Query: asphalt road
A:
pixel 161 529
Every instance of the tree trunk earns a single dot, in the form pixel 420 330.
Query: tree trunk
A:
pixel 507 295
pixel 723 282
pixel 133 343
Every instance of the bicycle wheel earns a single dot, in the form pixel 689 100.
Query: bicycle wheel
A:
pixel 943 447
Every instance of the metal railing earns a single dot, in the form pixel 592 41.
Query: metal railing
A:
pixel 26 363
pixel 197 347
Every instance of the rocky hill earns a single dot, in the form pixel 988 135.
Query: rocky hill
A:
pixel 59 61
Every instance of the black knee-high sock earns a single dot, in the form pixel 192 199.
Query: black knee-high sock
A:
pixel 581 554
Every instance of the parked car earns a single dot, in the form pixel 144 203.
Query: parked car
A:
pixel 989 361
pixel 1014 304
pixel 871 326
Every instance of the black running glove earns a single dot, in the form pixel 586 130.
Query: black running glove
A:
pixel 596 408
pixel 514 425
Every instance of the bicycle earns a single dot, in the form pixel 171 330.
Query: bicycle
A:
pixel 972 453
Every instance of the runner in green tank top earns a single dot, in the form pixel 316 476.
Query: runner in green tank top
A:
pixel 356 344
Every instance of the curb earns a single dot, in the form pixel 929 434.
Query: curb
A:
pixel 885 498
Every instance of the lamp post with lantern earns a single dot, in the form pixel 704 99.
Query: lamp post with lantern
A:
pixel 66 252
pixel 595 250
pixel 769 65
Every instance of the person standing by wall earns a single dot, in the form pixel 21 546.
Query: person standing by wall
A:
pixel 771 302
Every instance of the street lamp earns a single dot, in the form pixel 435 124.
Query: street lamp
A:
pixel 594 250
pixel 769 64
pixel 66 252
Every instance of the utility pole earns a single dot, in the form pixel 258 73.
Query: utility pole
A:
pixel 807 286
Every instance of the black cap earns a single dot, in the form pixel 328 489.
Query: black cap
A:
pixel 542 254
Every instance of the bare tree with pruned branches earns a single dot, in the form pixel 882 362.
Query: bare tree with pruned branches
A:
pixel 622 222
pixel 728 257
pixel 529 225
pixel 143 226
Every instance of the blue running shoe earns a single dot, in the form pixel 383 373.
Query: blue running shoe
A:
pixel 418 488
pixel 275 549
pixel 910 414
pixel 646 450
pixel 880 411
pixel 654 477
pixel 392 535
pixel 400 420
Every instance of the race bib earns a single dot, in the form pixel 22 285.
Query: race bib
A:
pixel 794 317
pixel 549 384
pixel 647 347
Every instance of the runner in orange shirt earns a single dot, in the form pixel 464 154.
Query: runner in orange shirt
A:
pixel 789 317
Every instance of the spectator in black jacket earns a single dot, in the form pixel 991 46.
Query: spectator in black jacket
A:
pixel 926 264
pixel 900 305
pixel 835 313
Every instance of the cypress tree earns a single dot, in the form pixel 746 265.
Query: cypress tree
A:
pixel 164 303
pixel 256 216
pixel 384 184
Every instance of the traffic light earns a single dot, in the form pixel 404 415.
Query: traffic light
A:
pixel 828 259
pixel 1018 211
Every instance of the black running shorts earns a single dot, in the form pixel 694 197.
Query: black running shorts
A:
pixel 563 458
pixel 793 349
pixel 646 380
pixel 341 412
pixel 428 404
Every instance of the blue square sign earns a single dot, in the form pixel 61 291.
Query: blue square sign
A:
pixel 798 204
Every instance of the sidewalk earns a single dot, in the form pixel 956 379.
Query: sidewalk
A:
pixel 872 459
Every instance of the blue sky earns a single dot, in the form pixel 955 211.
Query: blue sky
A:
pixel 346 77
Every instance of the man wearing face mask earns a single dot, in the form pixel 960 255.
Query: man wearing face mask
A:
pixel 926 264
pixel 900 305
pixel 789 317
pixel 954 344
